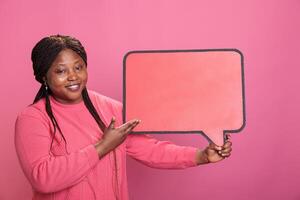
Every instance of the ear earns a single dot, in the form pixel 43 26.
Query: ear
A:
pixel 44 79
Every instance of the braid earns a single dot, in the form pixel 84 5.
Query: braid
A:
pixel 88 103
pixel 43 92
pixel 53 120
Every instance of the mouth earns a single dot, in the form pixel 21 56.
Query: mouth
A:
pixel 73 87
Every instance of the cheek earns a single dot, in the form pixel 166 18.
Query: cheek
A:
pixel 84 77
pixel 56 82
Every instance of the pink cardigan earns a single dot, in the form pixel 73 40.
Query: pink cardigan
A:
pixel 74 171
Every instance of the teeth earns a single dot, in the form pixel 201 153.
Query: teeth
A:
pixel 73 86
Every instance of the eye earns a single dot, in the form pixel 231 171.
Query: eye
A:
pixel 78 67
pixel 60 71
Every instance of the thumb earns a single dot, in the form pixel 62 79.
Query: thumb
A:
pixel 112 123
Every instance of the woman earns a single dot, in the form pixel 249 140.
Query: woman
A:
pixel 70 141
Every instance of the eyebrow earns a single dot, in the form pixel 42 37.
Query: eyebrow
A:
pixel 77 61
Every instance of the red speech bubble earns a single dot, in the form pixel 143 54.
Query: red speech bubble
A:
pixel 188 91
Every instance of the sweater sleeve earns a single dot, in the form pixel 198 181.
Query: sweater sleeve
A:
pixel 155 153
pixel 160 154
pixel 46 172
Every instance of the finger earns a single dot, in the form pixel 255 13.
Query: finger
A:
pixel 124 126
pixel 133 125
pixel 227 144
pixel 112 123
pixel 215 147
pixel 130 128
pixel 227 150
pixel 225 155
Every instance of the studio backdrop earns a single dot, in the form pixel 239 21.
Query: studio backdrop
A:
pixel 265 161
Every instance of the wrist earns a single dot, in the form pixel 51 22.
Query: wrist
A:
pixel 201 157
pixel 101 149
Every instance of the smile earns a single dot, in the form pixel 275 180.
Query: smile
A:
pixel 74 87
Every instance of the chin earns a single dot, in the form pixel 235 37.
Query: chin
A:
pixel 74 98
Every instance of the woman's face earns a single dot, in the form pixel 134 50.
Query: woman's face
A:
pixel 67 77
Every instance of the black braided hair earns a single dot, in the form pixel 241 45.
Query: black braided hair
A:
pixel 42 56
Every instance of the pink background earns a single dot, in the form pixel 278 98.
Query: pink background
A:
pixel 266 158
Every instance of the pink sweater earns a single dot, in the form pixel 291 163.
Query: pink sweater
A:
pixel 74 171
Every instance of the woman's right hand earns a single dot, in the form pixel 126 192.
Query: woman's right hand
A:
pixel 113 137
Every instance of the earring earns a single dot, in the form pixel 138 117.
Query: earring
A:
pixel 46 86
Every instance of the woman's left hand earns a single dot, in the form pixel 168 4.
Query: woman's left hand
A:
pixel 213 153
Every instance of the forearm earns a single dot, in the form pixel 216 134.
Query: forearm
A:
pixel 54 173
pixel 160 154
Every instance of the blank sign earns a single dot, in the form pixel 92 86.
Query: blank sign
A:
pixel 188 91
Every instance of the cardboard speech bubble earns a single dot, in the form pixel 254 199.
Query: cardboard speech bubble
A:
pixel 185 91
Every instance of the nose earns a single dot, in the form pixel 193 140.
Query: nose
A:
pixel 72 75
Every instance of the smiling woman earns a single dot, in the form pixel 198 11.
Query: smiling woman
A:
pixel 87 159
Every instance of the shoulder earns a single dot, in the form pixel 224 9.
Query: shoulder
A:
pixel 104 100
pixel 36 111
pixel 32 121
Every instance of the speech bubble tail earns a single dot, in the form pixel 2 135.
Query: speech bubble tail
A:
pixel 216 136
